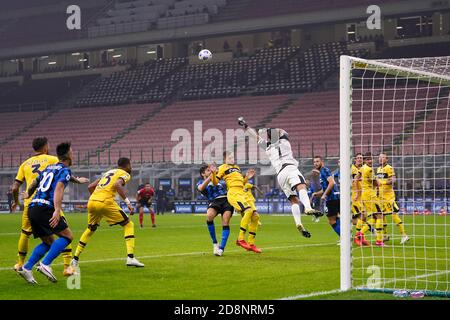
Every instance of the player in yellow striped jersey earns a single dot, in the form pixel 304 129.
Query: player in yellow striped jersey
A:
pixel 235 181
pixel 358 217
pixel 102 205
pixel 28 172
pixel 386 194
pixel 369 198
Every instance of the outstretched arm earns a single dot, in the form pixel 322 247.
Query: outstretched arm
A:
pixel 79 180
pixel 251 132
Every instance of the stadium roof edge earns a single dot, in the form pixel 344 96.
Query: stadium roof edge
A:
pixel 220 29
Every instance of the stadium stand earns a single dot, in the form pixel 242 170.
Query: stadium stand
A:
pixel 22 31
pixel 43 90
pixel 143 15
pixel 91 128
pixel 156 137
pixel 307 71
pixel 245 9
pixel 122 86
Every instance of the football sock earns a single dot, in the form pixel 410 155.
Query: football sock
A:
pixel 337 226
pixel 55 250
pixel 152 216
pixel 385 225
pixel 371 222
pixel 141 218
pixel 212 231
pixel 379 229
pixel 295 208
pixel 67 255
pixel 252 228
pixel 23 246
pixel 359 225
pixel 128 230
pixel 36 255
pixel 304 199
pixel 225 235
pixel 244 223
pixel 365 226
pixel 83 242
pixel 399 223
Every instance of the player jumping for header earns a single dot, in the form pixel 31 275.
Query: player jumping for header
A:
pixel 279 151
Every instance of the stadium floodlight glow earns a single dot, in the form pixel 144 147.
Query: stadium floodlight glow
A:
pixel 82 60
pixel 110 50
pixel 151 52
pixel 399 27
pixel 400 107
pixel 117 56
pixel 76 54
pixel 44 57
pixel 52 62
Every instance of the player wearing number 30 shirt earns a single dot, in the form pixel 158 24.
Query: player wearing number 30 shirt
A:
pixel 278 149
pixel 102 205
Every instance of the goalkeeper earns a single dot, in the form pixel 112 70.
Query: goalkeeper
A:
pixel 278 149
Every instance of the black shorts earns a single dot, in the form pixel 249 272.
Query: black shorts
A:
pixel 145 204
pixel 333 206
pixel 221 205
pixel 39 219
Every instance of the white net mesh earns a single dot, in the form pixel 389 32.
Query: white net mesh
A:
pixel 401 108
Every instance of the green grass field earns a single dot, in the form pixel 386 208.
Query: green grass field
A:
pixel 180 264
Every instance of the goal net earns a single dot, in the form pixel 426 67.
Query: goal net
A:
pixel 401 108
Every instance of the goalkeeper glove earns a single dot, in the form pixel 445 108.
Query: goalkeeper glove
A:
pixel 242 122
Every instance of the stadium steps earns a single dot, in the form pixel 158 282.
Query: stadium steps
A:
pixel 159 80
pixel 420 118
pixel 126 131
pixel 28 126
pixel 278 67
pixel 277 111
pixel 232 10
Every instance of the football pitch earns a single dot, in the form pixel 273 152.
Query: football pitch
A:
pixel 179 264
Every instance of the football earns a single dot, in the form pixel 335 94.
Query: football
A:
pixel 204 55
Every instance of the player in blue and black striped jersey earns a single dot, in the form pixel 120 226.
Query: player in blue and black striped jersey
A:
pixel 218 204
pixel 45 214
pixel 330 194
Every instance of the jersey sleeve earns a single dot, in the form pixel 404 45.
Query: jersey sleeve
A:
pixel 20 173
pixel 126 177
pixel 391 172
pixel 221 172
pixel 262 143
pixel 326 173
pixel 63 177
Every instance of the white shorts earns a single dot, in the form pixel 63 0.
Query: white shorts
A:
pixel 289 178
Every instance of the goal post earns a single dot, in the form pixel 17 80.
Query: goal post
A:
pixel 399 107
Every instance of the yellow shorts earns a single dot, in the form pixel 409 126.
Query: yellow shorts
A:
pixel 356 209
pixel 26 225
pixel 108 209
pixel 252 206
pixel 389 206
pixel 237 198
pixel 371 206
